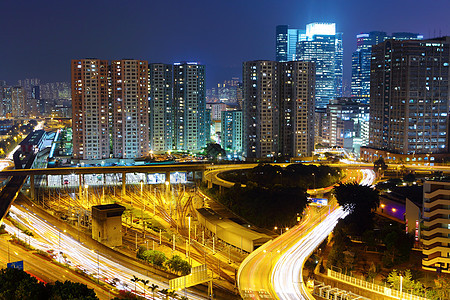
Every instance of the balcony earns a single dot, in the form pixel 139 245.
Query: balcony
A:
pixel 442 249
pixel 436 193
pixel 431 204
pixel 436 221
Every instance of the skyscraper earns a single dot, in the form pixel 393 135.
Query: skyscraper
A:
pixel 321 44
pixel 160 107
pixel 129 85
pixel 90 109
pixel 191 129
pixel 409 96
pixel 278 114
pixel 361 60
pixel 286 42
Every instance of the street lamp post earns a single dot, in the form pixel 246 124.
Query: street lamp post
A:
pixel 314 175
pixel 86 186
pixel 189 235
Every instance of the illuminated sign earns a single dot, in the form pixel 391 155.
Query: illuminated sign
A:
pixel 318 201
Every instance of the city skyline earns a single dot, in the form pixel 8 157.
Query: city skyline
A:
pixel 30 54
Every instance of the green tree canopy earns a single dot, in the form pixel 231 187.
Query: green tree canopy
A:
pixel 360 201
pixel 178 265
pixel 71 290
pixel 214 150
pixel 379 165
pixel 17 284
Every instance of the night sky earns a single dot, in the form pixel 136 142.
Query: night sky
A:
pixel 39 38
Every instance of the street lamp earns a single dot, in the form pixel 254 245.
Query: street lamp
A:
pixel 86 186
pixel 314 175
pixel 142 186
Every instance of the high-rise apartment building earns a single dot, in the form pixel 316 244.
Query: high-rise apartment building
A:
pixel 231 139
pixel 361 59
pixel 129 85
pixel 278 114
pixel 261 112
pixel 409 96
pixel 191 128
pixel 297 91
pixel 90 109
pixel 436 230
pixel 18 101
pixel 160 107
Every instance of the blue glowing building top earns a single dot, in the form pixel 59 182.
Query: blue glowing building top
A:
pixel 361 59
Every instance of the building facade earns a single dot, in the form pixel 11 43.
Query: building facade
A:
pixel 261 109
pixel 361 60
pixel 160 107
pixel 348 124
pixel 231 132
pixel 322 45
pixel 278 114
pixel 297 90
pixel 436 230
pixel 18 101
pixel 191 129
pixel 286 43
pixel 409 96
pixel 90 109
pixel 129 92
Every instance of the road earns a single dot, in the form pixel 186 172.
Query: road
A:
pixel 71 252
pixel 287 276
pixel 274 271
pixel 42 268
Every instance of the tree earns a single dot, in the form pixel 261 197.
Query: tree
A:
pixel 165 292
pixel 409 178
pixel 442 287
pixel 153 287
pixel 379 166
pixel 408 284
pixel 71 290
pixel 178 265
pixel 145 282
pixel 360 201
pixel 135 279
pixel 172 294
pixel 154 257
pixel 214 150
pixel 16 284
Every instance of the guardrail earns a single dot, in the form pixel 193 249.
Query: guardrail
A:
pixel 372 286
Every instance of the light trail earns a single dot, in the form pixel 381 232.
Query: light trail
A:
pixel 287 275
pixel 274 271
pixel 69 251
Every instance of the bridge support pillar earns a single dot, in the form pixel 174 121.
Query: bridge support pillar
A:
pixel 33 192
pixel 167 177
pixel 124 184
pixel 80 189
pixel 210 184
